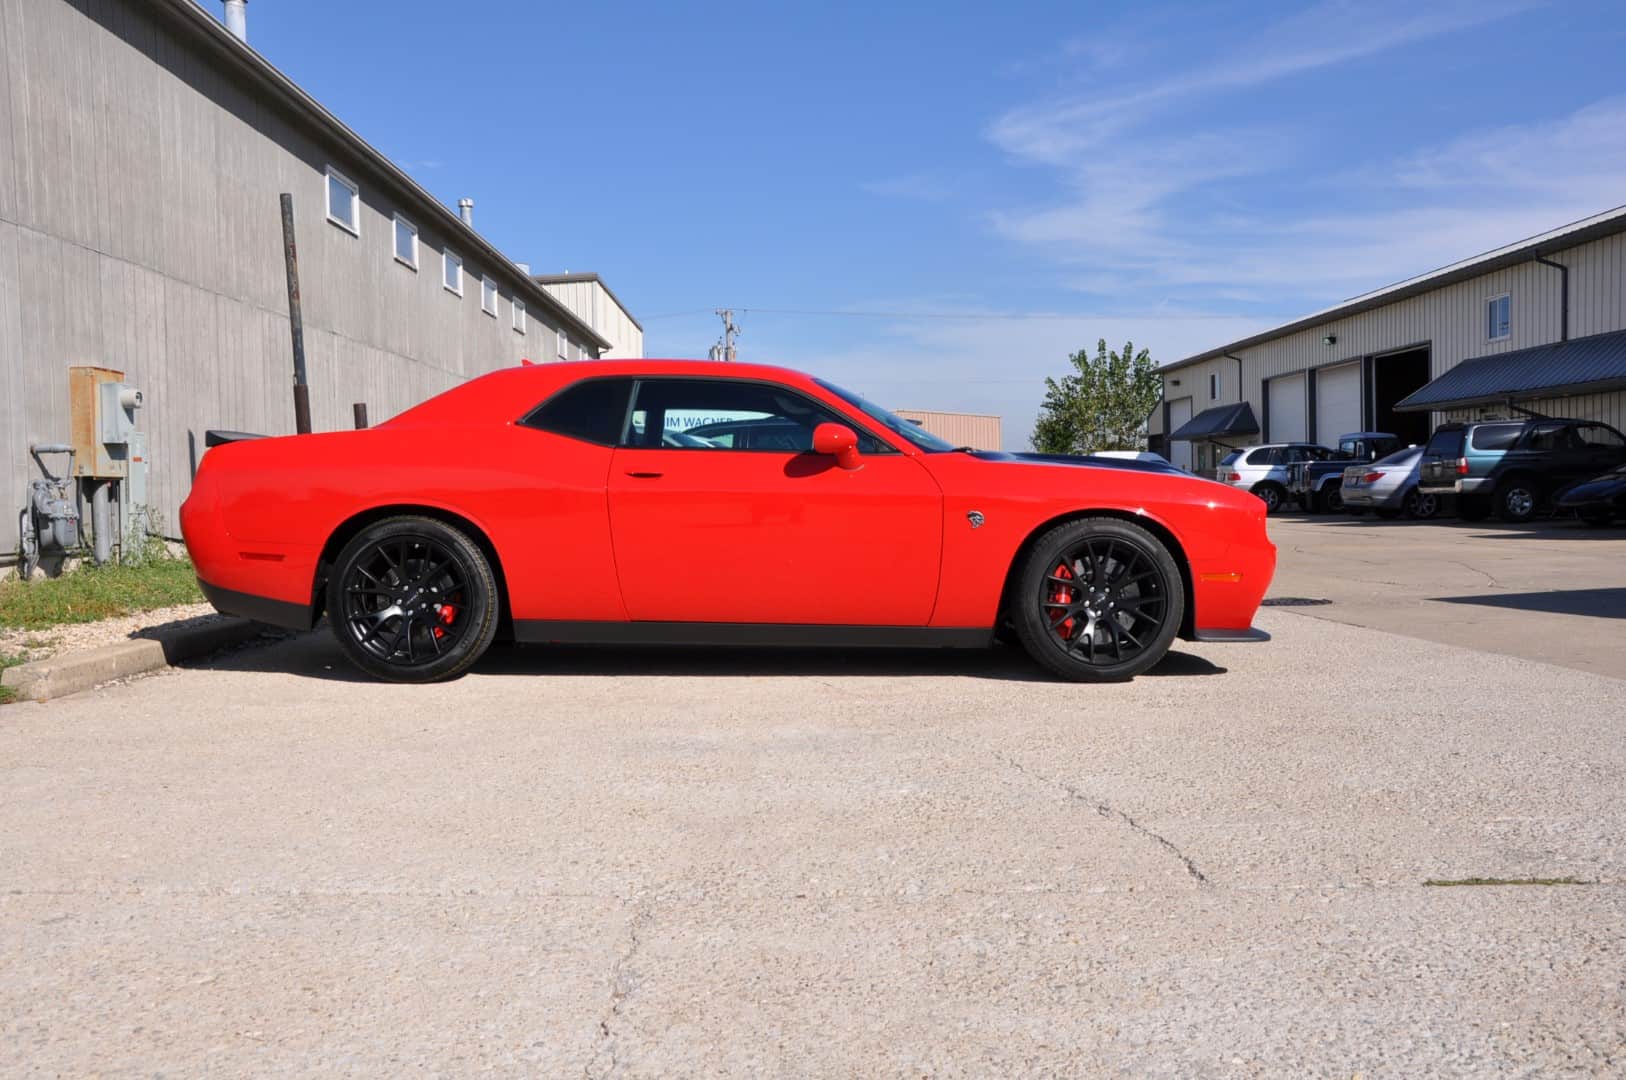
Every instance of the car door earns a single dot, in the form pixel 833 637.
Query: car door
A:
pixel 1602 448
pixel 776 535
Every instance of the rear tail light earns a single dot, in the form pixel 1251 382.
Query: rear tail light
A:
pixel 1372 478
pixel 1234 477
pixel 1462 466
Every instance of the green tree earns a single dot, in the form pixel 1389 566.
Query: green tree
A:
pixel 1103 406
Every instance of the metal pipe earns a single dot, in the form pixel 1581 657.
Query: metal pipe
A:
pixel 1563 295
pixel 296 319
pixel 465 210
pixel 237 19
pixel 101 523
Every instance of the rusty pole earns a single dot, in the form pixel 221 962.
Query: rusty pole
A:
pixel 296 319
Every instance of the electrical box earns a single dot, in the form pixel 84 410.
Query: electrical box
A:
pixel 90 391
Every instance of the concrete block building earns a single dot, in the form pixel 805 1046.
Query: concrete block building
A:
pixel 140 229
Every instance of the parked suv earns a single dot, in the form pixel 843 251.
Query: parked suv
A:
pixel 1510 467
pixel 1263 470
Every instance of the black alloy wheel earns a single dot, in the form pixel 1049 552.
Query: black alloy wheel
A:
pixel 1099 600
pixel 1420 505
pixel 1516 500
pixel 412 599
pixel 1272 494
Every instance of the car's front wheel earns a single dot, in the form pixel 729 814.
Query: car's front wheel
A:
pixel 1098 600
pixel 412 599
pixel 1275 496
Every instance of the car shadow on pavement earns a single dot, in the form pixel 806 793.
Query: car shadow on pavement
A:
pixel 1598 603
pixel 1487 529
pixel 316 655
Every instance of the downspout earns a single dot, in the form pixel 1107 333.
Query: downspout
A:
pixel 1238 359
pixel 1563 295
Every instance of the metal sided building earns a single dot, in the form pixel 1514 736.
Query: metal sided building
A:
pixel 961 429
pixel 1539 324
pixel 140 229
pixel 591 299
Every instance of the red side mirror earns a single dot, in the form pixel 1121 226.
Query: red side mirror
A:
pixel 840 442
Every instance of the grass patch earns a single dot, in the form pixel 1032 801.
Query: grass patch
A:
pixel 98 592
pixel 1508 881
pixel 7 694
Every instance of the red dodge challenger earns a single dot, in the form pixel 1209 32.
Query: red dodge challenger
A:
pixel 643 501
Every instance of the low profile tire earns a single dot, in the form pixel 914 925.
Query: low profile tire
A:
pixel 1273 494
pixel 1098 600
pixel 412 599
pixel 1420 505
pixel 1516 500
pixel 1473 508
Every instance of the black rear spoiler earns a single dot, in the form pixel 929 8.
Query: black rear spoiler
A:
pixel 216 438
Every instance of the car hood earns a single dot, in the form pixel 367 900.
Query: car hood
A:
pixel 1121 464
pixel 1608 486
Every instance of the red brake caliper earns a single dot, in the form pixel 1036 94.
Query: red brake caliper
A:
pixel 1062 594
pixel 447 613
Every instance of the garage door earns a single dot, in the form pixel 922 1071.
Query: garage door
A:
pixel 1287 408
pixel 1179 415
pixel 1337 402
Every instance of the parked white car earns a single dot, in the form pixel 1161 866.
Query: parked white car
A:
pixel 1263 470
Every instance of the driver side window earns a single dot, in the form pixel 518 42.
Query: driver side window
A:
pixel 729 414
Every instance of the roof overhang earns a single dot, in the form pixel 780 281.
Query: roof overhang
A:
pixel 1588 365
pixel 1220 422
pixel 204 31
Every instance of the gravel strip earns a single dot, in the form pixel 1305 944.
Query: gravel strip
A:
pixel 41 644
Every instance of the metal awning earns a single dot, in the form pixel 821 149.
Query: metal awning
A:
pixel 1219 422
pixel 1580 366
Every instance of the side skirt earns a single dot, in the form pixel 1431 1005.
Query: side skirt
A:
pixel 1232 636
pixel 549 631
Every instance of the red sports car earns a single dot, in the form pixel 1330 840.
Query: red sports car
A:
pixel 690 502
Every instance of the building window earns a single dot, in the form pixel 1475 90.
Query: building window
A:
pixel 488 296
pixel 406 242
pixel 451 273
pixel 1213 386
pixel 1498 318
pixel 564 346
pixel 343 202
pixel 519 315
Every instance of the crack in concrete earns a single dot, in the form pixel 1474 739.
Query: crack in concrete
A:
pixel 622 984
pixel 1483 573
pixel 1111 813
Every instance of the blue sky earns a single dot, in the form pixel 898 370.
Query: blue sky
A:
pixel 936 203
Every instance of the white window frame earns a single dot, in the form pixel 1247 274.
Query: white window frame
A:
pixel 399 221
pixel 353 226
pixel 487 286
pixel 519 316
pixel 1489 300
pixel 448 259
pixel 563 346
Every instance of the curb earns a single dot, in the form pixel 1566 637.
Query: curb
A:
pixel 72 672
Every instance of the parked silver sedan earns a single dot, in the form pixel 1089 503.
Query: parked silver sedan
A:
pixel 1389 486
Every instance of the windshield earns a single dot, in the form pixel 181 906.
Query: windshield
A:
pixel 907 428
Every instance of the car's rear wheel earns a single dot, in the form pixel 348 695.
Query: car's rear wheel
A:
pixel 412 599
pixel 1333 500
pixel 1516 500
pixel 1273 494
pixel 1099 600
pixel 1420 505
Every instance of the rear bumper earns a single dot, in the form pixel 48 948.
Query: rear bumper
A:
pixel 1252 633
pixel 283 613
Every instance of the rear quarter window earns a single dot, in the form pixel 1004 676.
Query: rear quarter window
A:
pixel 592 410
pixel 1496 436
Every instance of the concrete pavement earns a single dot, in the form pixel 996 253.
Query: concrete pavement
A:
pixel 654 862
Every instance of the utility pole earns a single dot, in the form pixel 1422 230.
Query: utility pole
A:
pixel 724 349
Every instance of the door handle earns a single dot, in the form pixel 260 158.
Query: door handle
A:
pixel 645 475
